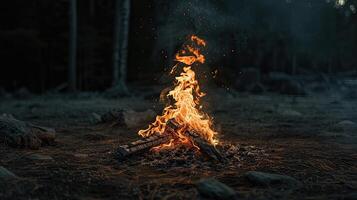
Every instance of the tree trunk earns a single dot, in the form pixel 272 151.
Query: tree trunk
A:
pixel 72 68
pixel 120 51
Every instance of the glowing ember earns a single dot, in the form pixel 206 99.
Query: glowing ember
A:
pixel 186 95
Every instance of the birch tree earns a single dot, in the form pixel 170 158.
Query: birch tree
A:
pixel 120 47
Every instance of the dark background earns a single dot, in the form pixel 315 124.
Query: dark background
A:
pixel 301 37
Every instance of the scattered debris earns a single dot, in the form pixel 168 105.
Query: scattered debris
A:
pixel 192 161
pixel 114 116
pixel 213 189
pixel 269 180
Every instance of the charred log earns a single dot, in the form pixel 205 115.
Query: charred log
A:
pixel 170 132
pixel 142 145
pixel 205 147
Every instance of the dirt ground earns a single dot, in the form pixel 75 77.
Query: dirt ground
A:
pixel 303 137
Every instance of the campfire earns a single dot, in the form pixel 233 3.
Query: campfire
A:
pixel 183 122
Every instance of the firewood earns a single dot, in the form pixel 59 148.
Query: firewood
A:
pixel 143 144
pixel 170 132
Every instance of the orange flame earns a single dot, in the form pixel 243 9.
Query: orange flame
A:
pixel 186 109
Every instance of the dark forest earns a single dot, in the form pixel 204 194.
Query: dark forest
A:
pixel 180 99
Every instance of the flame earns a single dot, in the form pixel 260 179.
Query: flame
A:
pixel 186 94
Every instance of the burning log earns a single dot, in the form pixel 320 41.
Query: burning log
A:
pixel 204 146
pixel 170 133
pixel 140 145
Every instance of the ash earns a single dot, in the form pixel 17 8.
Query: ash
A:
pixel 234 155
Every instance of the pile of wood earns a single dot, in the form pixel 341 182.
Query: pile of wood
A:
pixel 172 126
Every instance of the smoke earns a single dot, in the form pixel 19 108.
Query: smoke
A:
pixel 221 20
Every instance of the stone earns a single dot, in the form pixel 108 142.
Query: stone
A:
pixel 270 180
pixel 128 118
pixel 17 133
pixel 213 189
pixel 114 116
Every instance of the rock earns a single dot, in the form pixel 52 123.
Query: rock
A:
pixel 113 116
pixel 213 189
pixel 284 84
pixel 128 118
pixel 269 180
pixel 18 133
pixel 6 175
pixel 39 157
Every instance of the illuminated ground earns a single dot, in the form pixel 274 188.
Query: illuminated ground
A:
pixel 302 137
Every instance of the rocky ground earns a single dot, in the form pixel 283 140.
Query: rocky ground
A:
pixel 276 147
